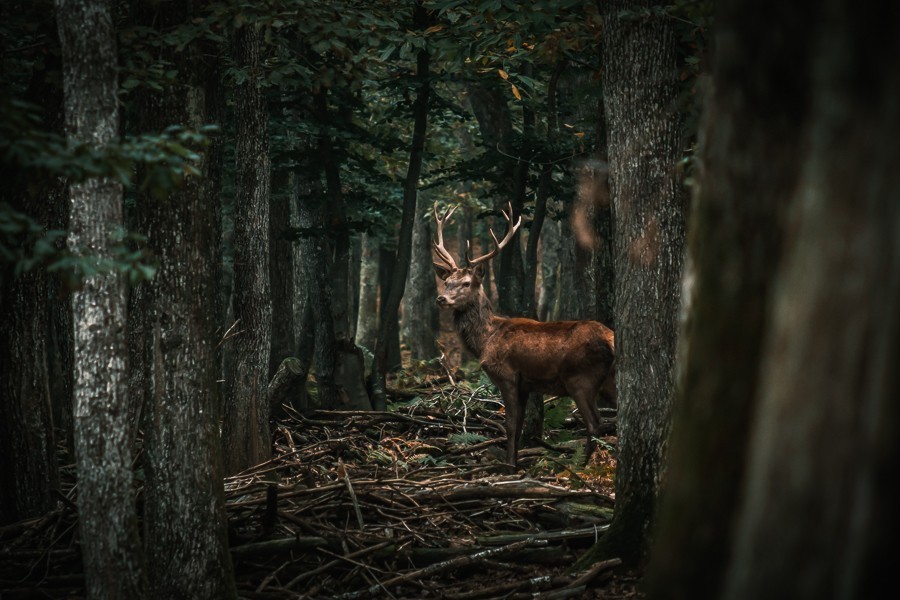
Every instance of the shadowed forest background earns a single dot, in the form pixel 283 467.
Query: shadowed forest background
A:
pixel 223 372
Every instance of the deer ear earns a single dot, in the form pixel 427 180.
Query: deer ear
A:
pixel 442 272
pixel 478 272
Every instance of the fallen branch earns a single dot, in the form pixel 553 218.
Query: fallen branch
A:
pixel 277 546
pixel 440 567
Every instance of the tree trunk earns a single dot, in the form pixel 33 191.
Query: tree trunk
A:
pixel 35 358
pixel 184 516
pixel 245 430
pixel 304 325
pixel 572 270
pixel 644 148
pixel 735 242
pixel 26 426
pixel 550 266
pixel 391 301
pixel 314 251
pixel 353 282
pixel 826 421
pixel 367 318
pixel 386 265
pixel 111 550
pixel 420 310
pixel 281 278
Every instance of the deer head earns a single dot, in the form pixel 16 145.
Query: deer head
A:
pixel 463 284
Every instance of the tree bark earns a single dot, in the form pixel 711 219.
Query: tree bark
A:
pixel 391 300
pixel 184 515
pixel 644 149
pixel 281 278
pixel 367 317
pixel 818 515
pixel 751 122
pixel 386 264
pixel 36 360
pixel 314 253
pixel 111 551
pixel 245 430
pixel 26 426
pixel 420 310
pixel 547 309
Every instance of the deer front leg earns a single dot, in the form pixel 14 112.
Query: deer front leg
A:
pixel 587 406
pixel 515 415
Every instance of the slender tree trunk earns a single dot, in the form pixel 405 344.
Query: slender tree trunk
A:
pixel 510 284
pixel 367 318
pixel 340 261
pixel 420 310
pixel 550 267
pixel 281 277
pixel 245 431
pixel 386 264
pixel 391 302
pixel 644 148
pixel 111 550
pixel 216 114
pixel 314 255
pixel 304 326
pixel 353 282
pixel 571 276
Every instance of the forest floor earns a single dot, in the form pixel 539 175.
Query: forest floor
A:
pixel 414 502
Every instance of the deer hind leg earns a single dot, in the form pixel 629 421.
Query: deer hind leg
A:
pixel 587 405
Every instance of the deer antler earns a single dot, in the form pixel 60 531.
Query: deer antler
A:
pixel 442 252
pixel 510 232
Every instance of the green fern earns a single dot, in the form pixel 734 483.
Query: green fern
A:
pixel 466 439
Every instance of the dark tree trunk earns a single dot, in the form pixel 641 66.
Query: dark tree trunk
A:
pixel 339 265
pixel 489 105
pixel 511 268
pixel 304 326
pixel 735 243
pixel 111 550
pixel 26 427
pixel 353 282
pixel 391 300
pixel 420 310
pixel 644 149
pixel 367 317
pixel 386 264
pixel 184 515
pixel 813 515
pixel 35 358
pixel 245 430
pixel 314 256
pixel 281 277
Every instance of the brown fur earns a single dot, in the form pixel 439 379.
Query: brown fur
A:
pixel 520 356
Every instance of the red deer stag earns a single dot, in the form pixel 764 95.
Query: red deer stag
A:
pixel 520 356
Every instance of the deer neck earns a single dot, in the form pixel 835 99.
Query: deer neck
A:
pixel 475 323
